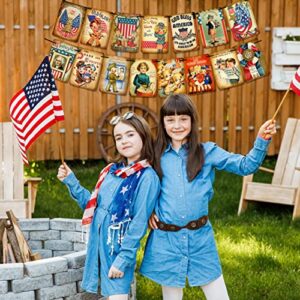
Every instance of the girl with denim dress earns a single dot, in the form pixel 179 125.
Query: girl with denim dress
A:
pixel 118 210
pixel 182 244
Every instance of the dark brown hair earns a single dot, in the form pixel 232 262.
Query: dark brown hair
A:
pixel 180 104
pixel 143 130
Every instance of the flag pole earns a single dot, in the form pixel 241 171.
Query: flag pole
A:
pixel 61 154
pixel 280 104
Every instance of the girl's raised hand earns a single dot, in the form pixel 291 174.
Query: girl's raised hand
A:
pixel 152 221
pixel 267 129
pixel 63 171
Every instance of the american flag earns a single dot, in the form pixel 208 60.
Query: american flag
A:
pixel 35 107
pixel 243 21
pixel 127 25
pixel 295 84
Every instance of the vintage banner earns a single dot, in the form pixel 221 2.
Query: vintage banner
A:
pixel 252 61
pixel 126 33
pixel 212 28
pixel 61 58
pixel 96 28
pixel 69 21
pixel 171 77
pixel 241 20
pixel 143 78
pixel 155 34
pixel 199 76
pixel 114 75
pixel 184 32
pixel 86 69
pixel 226 69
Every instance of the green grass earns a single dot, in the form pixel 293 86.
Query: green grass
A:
pixel 259 251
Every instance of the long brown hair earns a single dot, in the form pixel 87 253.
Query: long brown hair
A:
pixel 180 104
pixel 143 130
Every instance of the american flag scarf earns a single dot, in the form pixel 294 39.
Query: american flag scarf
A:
pixel 123 172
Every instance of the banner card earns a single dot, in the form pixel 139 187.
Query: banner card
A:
pixel 114 75
pixel 252 61
pixel 69 21
pixel 126 35
pixel 61 58
pixel 226 69
pixel 155 34
pixel 143 78
pixel 96 28
pixel 241 20
pixel 198 72
pixel 184 32
pixel 86 69
pixel 171 77
pixel 212 28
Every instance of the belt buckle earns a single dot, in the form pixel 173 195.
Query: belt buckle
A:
pixel 193 224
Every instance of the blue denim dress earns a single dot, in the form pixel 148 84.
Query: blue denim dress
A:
pixel 99 258
pixel 171 257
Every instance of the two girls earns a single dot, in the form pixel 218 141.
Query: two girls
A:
pixel 182 244
pixel 119 208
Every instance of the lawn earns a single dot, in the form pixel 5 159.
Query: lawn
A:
pixel 259 251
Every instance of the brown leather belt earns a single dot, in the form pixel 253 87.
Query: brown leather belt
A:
pixel 193 225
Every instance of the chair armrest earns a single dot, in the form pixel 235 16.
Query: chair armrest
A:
pixel 32 180
pixel 266 170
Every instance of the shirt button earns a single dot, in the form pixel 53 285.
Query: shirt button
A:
pixel 180 196
pixel 182 217
pixel 178 175
pixel 184 237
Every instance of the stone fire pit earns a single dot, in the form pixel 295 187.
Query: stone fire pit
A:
pixel 58 275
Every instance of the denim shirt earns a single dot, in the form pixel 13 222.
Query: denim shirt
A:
pixel 124 258
pixel 170 257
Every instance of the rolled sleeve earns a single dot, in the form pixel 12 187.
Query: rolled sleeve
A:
pixel 241 164
pixel 80 194
pixel 145 199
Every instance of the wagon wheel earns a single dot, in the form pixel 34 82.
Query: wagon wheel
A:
pixel 104 130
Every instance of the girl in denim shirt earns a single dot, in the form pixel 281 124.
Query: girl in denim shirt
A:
pixel 119 208
pixel 182 244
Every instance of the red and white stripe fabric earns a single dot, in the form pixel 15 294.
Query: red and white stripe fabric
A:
pixel 123 173
pixel 295 84
pixel 35 107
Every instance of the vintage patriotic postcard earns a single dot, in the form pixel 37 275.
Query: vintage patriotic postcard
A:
pixel 86 69
pixel 143 78
pixel 69 21
pixel 227 69
pixel 155 34
pixel 241 20
pixel 126 33
pixel 199 75
pixel 96 28
pixel 114 75
pixel 184 32
pixel 212 28
pixel 170 75
pixel 61 59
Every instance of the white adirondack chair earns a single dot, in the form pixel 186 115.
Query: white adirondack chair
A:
pixel 285 186
pixel 12 177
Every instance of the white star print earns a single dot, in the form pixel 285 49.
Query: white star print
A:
pixel 126 212
pixel 124 189
pixel 114 217
pixel 138 174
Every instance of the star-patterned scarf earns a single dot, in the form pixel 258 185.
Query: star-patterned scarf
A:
pixel 121 206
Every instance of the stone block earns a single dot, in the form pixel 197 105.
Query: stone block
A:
pixel 3 287
pixel 66 277
pixel 31 283
pixel 34 224
pixel 58 245
pixel 76 260
pixel 46 266
pixel 18 296
pixel 56 292
pixel 11 271
pixel 63 224
pixel 45 235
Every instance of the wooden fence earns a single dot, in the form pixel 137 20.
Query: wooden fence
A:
pixel 231 117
